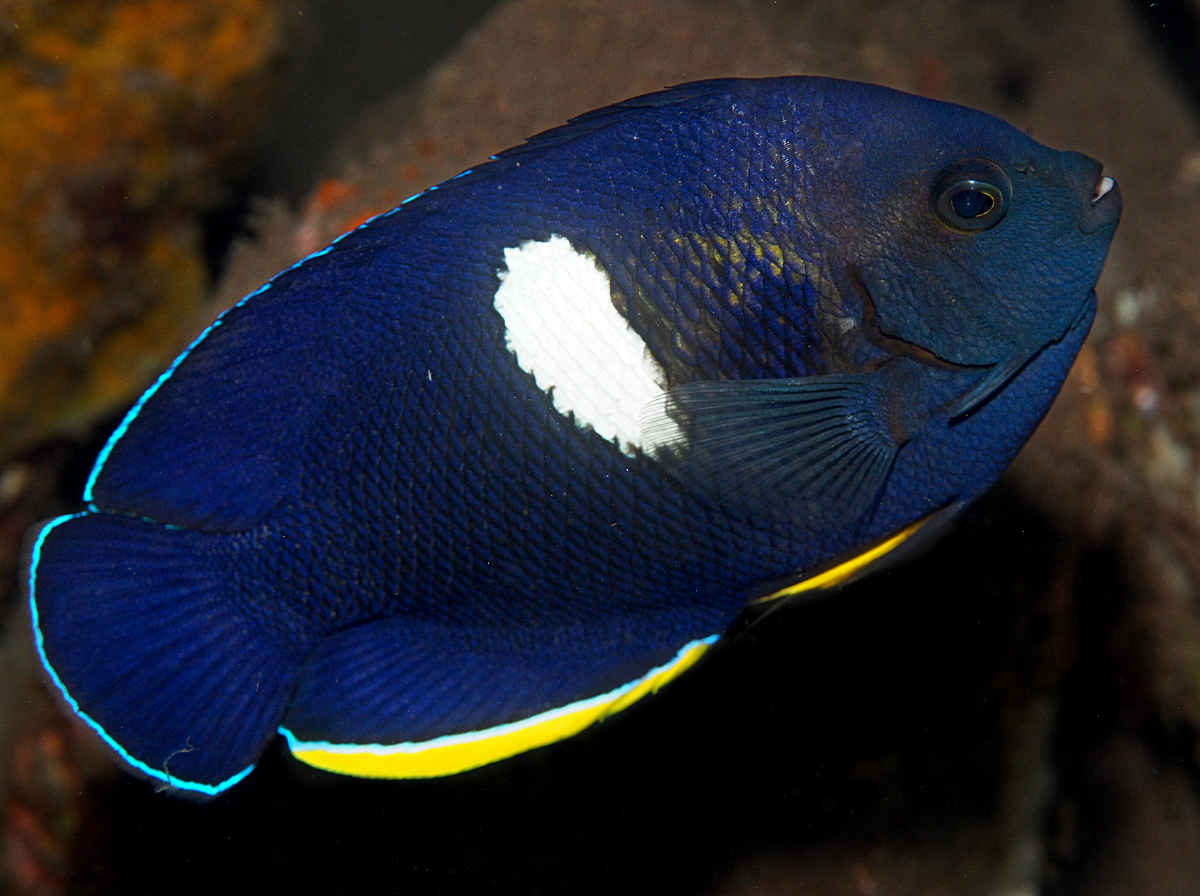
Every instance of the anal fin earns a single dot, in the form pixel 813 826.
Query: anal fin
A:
pixel 398 699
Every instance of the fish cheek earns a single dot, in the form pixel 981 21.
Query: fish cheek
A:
pixel 938 305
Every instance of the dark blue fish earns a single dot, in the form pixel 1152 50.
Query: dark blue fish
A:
pixel 499 462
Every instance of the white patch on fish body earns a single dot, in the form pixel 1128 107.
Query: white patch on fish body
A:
pixel 563 328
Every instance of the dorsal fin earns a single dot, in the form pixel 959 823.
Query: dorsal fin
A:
pixel 598 119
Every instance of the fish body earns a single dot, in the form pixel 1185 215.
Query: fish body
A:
pixel 501 461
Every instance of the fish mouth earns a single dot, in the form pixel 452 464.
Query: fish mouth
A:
pixel 1102 208
pixel 1098 195
pixel 1103 186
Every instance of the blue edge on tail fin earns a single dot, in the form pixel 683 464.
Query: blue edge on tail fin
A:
pixel 97 468
pixel 39 641
pixel 134 625
pixel 35 555
pixel 98 513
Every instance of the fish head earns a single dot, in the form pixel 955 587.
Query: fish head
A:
pixel 969 243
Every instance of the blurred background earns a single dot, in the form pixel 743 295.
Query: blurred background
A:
pixel 1013 713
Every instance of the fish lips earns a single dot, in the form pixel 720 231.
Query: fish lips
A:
pixel 1098 195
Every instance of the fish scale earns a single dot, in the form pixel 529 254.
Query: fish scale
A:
pixel 351 514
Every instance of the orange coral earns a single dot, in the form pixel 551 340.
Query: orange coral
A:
pixel 117 114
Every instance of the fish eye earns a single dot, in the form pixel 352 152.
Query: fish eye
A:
pixel 972 195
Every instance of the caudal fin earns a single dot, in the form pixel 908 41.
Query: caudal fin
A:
pixel 136 632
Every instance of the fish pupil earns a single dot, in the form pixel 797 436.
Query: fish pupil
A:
pixel 972 203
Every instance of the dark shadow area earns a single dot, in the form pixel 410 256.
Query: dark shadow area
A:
pixel 349 56
pixel 1173 27
pixel 345 57
pixel 1127 782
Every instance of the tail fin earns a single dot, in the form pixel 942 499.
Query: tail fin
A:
pixel 137 634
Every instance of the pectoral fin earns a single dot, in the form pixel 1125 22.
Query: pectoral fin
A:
pixel 824 443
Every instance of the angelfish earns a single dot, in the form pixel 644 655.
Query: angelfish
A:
pixel 503 460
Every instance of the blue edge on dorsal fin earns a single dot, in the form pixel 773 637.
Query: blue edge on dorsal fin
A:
pixel 127 420
pixel 127 487
pixel 139 608
pixel 578 126
pixel 236 479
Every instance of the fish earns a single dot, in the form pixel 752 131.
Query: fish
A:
pixel 512 456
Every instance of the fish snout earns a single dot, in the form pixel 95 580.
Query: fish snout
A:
pixel 1099 195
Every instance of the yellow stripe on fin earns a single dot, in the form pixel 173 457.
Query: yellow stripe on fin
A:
pixel 837 575
pixel 455 753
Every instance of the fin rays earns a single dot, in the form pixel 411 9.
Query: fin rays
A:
pixel 453 753
pixel 137 635
pixel 780 447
